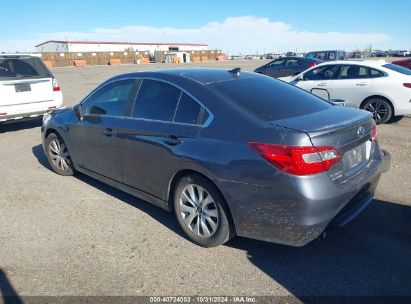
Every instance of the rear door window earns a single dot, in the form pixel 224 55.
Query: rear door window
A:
pixel 22 67
pixel 188 110
pixel 156 100
pixel 276 63
pixel 353 72
pixel 293 62
pixel 376 73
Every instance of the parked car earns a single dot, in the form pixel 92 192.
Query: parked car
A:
pixel 229 152
pixel 286 66
pixel 327 55
pixel 382 88
pixel 27 88
pixel 379 53
pixel 406 63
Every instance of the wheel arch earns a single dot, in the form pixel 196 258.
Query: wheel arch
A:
pixel 179 175
pixel 379 96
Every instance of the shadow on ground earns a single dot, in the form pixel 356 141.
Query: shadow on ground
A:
pixel 13 126
pixel 369 257
pixel 7 292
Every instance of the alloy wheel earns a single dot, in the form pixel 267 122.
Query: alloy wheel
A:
pixel 59 154
pixel 198 210
pixel 379 109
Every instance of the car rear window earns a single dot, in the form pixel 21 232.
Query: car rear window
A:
pixel 270 99
pixel 397 68
pixel 15 67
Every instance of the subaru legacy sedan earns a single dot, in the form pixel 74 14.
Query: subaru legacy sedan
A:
pixel 228 152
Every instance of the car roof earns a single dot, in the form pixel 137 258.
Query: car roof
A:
pixel 371 63
pixel 19 55
pixel 200 75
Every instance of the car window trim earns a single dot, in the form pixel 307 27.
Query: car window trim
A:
pixel 182 90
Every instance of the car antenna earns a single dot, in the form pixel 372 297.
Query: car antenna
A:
pixel 235 72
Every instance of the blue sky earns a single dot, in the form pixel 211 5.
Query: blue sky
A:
pixel 234 26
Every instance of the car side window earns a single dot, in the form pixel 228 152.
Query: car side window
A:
pixel 276 62
pixel 326 72
pixel 375 73
pixel 188 110
pixel 156 100
pixel 292 62
pixel 112 99
pixel 353 72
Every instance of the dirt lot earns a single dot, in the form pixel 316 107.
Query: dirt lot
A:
pixel 76 236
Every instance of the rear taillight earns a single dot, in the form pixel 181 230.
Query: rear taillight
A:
pixel 407 85
pixel 312 64
pixel 298 160
pixel 374 130
pixel 3 114
pixel 56 86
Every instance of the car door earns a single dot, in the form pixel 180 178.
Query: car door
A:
pixel 162 127
pixel 318 80
pixel 275 68
pixel 93 139
pixel 352 85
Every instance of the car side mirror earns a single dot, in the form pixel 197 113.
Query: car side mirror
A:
pixel 78 110
pixel 300 77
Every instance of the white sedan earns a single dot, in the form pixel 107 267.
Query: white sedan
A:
pixel 27 88
pixel 376 86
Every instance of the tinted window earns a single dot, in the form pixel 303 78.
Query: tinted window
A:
pixel 156 100
pixel 23 68
pixel 397 68
pixel 292 62
pixel 276 62
pixel 111 99
pixel 353 72
pixel 188 110
pixel 321 73
pixel 375 73
pixel 270 99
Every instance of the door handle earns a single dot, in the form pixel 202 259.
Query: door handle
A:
pixel 109 132
pixel 322 84
pixel 361 84
pixel 172 140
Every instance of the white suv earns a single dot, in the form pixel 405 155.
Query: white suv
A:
pixel 27 88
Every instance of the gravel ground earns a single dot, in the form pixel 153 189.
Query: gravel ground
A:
pixel 76 236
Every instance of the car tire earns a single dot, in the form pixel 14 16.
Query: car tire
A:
pixel 201 211
pixel 58 155
pixel 380 109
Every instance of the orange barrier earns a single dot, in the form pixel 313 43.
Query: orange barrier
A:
pixel 114 61
pixel 196 59
pixel 48 63
pixel 80 63
pixel 176 59
pixel 221 58
pixel 144 60
pixel 204 59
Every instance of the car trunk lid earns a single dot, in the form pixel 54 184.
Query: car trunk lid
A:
pixel 349 130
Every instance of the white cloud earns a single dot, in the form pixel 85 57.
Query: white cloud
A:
pixel 245 34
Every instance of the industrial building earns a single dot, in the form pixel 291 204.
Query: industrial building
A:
pixel 93 46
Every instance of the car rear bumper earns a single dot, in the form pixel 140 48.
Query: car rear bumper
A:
pixel 27 111
pixel 297 211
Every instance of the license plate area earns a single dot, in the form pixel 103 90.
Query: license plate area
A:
pixel 22 87
pixel 357 157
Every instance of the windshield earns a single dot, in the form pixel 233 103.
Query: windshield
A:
pixel 270 99
pixel 15 67
pixel 397 68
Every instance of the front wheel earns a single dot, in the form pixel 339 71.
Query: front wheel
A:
pixel 381 110
pixel 201 211
pixel 58 155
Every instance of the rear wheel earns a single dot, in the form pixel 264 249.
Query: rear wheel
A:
pixel 58 155
pixel 380 109
pixel 201 211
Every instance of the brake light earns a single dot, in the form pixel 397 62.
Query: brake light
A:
pixel 407 85
pixel 2 114
pixel 374 134
pixel 298 160
pixel 312 64
pixel 56 86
